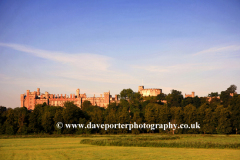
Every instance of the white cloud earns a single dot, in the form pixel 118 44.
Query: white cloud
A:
pixel 217 50
pixel 80 60
pixel 179 67
pixel 81 66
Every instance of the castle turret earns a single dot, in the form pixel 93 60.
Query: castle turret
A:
pixel 140 88
pixel 107 97
pixel 38 91
pixel 22 100
pixel 77 92
pixel 46 95
pixel 116 97
pixel 193 94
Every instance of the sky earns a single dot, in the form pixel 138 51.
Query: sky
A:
pixel 100 46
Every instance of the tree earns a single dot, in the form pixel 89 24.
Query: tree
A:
pixel 196 101
pixel 225 95
pixel 71 115
pixel 213 94
pixel 225 98
pixel 136 118
pixel 3 117
pixel 22 116
pixel 95 115
pixel 35 119
pixel 10 123
pixel 136 99
pixel 83 130
pixel 151 114
pixel 232 89
pixel 160 97
pixel 224 121
pixel 235 110
pixel 187 101
pixel 176 116
pixel 58 117
pixel 110 115
pixel 175 98
pixel 123 118
pixel 163 115
pixel 48 115
pixel 86 105
pixel 47 122
pixel 190 116
pixel 127 94
pixel 205 118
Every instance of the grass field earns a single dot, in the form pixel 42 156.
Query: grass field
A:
pixel 70 148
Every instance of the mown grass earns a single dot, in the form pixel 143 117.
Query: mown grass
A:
pixel 69 148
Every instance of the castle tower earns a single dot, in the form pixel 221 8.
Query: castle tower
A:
pixel 35 94
pixel 116 97
pixel 140 88
pixel 22 100
pixel 38 91
pixel 107 97
pixel 46 95
pixel 27 99
pixel 193 94
pixel 78 92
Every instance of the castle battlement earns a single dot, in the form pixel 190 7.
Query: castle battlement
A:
pixel 149 91
pixel 30 99
pixel 190 95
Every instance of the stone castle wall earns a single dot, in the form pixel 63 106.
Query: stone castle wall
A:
pixel 149 92
pixel 190 95
pixel 30 99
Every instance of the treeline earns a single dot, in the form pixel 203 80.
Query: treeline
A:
pixel 220 115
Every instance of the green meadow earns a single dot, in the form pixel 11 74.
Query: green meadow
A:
pixel 120 147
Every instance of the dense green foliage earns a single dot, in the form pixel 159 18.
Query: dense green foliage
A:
pixel 220 115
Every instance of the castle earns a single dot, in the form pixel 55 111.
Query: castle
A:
pixel 190 95
pixel 30 99
pixel 149 92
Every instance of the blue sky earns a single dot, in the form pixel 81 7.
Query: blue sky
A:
pixel 97 46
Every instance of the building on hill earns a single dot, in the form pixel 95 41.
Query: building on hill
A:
pixel 30 99
pixel 218 97
pixel 149 92
pixel 190 95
